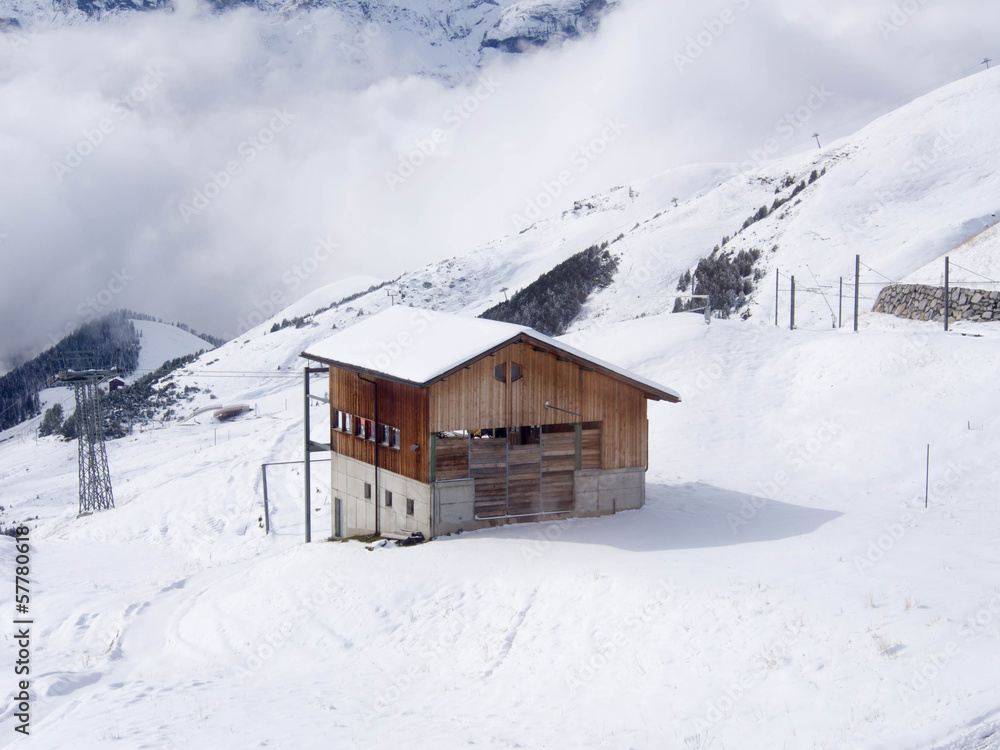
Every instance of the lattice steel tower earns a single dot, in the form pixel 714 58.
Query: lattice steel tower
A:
pixel 95 477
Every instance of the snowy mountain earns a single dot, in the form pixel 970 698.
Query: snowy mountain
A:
pixel 901 193
pixel 446 35
pixel 788 584
pixel 160 342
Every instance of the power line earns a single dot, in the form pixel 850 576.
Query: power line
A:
pixel 992 281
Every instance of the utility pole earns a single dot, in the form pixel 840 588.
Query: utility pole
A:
pixel 94 475
pixel 777 284
pixel 947 291
pixel 791 326
pixel 840 305
pixel 306 457
pixel 857 288
pixel 392 297
pixel 818 144
pixel 987 62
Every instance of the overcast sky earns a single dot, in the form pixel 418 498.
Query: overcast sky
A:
pixel 123 226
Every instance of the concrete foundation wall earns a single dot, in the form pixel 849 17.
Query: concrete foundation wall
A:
pixel 597 492
pixel 348 480
pixel 449 507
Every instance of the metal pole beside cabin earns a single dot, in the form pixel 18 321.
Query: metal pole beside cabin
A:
pixel 791 325
pixel 857 289
pixel 947 291
pixel 308 476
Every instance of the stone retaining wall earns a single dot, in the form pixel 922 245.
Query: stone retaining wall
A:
pixel 922 302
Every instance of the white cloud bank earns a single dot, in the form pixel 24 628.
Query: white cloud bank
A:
pixel 185 163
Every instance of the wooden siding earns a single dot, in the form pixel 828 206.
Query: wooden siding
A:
pixel 558 465
pixel 473 399
pixel 488 466
pixel 400 406
pixel 452 459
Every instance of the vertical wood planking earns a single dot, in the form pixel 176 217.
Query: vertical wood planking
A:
pixel 400 406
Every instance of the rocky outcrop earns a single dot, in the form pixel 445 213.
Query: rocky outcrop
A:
pixel 922 302
pixel 533 23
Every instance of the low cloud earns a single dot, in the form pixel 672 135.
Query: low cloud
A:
pixel 204 154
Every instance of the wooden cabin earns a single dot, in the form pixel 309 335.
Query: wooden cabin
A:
pixel 442 423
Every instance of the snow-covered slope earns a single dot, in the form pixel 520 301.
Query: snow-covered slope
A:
pixel 784 587
pixel 161 342
pixel 975 261
pixel 901 193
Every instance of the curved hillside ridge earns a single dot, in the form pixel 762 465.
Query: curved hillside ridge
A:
pixel 975 261
pixel 898 193
pixel 902 192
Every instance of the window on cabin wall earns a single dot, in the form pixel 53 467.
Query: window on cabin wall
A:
pixel 515 372
pixel 500 373
pixel 368 491
pixel 346 422
pixel 409 507
pixel 388 499
pixel 394 437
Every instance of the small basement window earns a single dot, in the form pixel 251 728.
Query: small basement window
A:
pixel 368 491
pixel 515 372
pixel 500 373
pixel 388 499
pixel 409 507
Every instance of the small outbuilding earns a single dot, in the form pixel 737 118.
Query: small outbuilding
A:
pixel 442 423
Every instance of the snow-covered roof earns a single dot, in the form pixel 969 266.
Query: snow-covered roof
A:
pixel 419 347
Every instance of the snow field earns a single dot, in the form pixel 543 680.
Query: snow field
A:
pixel 744 604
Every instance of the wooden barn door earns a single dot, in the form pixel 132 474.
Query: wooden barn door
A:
pixel 488 466
pixel 524 471
pixel 558 464
pixel 527 472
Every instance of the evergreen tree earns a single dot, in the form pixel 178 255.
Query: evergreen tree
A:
pixel 52 421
